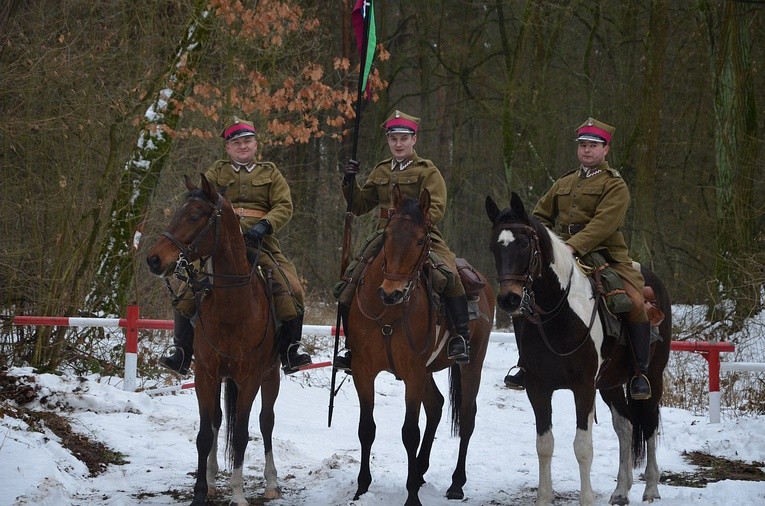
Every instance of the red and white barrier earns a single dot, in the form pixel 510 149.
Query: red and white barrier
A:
pixel 133 322
pixel 711 353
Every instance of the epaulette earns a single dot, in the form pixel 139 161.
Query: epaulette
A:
pixel 570 172
pixel 614 172
pixel 270 165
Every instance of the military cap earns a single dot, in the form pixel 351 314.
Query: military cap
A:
pixel 238 128
pixel 401 123
pixel 594 130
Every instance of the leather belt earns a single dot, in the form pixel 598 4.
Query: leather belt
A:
pixel 571 229
pixel 386 214
pixel 249 213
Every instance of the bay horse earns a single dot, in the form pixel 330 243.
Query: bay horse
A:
pixel 394 326
pixel 233 336
pixel 563 346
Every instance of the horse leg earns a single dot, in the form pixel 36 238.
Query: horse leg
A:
pixel 584 399
pixel 212 457
pixel 269 392
pixel 207 401
pixel 617 404
pixel 541 402
pixel 367 428
pixel 464 385
pixel 410 435
pixel 651 492
pixel 238 403
pixel 433 402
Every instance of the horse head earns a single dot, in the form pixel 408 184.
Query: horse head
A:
pixel 406 245
pixel 519 244
pixel 193 233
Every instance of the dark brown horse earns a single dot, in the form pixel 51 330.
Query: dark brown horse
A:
pixel 394 326
pixel 233 335
pixel 563 346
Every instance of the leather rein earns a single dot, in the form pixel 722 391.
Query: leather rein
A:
pixel 528 306
pixel 412 278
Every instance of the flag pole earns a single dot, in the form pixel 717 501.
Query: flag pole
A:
pixel 345 254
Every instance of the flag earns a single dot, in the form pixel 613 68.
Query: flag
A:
pixel 363 18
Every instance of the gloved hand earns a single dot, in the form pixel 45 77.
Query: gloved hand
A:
pixel 254 236
pixel 351 169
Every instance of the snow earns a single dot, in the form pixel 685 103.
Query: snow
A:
pixel 318 465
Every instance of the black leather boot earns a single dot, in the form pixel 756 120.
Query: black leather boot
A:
pixel 291 333
pixel 183 346
pixel 640 335
pixel 458 347
pixel 515 381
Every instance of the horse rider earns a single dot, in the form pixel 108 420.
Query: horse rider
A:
pixel 412 174
pixel 588 206
pixel 261 197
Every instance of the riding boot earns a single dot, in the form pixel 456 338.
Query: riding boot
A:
pixel 640 335
pixel 516 381
pixel 458 347
pixel 292 359
pixel 183 349
pixel 342 360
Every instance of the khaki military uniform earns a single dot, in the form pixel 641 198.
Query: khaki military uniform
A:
pixel 377 194
pixel 265 191
pixel 599 205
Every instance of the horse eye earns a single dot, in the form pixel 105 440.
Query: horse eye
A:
pixel 420 242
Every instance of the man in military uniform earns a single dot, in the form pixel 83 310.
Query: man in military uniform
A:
pixel 261 197
pixel 412 174
pixel 587 207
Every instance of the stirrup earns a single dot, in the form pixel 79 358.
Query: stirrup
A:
pixel 301 359
pixel 343 362
pixel 640 392
pixel 515 381
pixel 176 362
pixel 462 357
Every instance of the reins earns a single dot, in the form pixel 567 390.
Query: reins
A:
pixel 413 278
pixel 198 280
pixel 528 306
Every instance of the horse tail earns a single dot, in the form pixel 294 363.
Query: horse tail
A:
pixel 455 397
pixel 644 416
pixel 231 393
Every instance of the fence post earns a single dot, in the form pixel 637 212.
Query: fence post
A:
pixel 131 348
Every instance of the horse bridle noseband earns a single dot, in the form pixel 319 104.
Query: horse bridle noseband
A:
pixel 414 275
pixel 528 306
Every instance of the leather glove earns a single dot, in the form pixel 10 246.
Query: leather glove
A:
pixel 351 169
pixel 254 236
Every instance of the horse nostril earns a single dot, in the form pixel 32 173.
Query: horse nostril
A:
pixel 154 263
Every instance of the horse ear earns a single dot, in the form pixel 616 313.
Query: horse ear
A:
pixel 208 188
pixel 189 185
pixel 516 204
pixel 492 210
pixel 424 201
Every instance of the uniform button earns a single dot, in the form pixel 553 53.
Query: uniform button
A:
pixel 575 195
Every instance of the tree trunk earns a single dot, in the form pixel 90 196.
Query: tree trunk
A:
pixel 111 288
pixel 647 134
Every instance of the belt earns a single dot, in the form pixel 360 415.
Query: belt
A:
pixel 386 214
pixel 571 229
pixel 249 213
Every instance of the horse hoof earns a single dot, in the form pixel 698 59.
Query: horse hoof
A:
pixel 273 494
pixel 455 493
pixel 619 499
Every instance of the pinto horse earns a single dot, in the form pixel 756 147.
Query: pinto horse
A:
pixel 233 335
pixel 394 325
pixel 563 346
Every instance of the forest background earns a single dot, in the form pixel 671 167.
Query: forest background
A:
pixel 107 104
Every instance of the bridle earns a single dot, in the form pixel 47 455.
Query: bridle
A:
pixel 414 275
pixel 412 278
pixel 528 306
pixel 198 280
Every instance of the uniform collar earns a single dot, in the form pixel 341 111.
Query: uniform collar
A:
pixel 247 167
pixel 588 172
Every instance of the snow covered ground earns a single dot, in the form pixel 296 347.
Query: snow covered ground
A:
pixel 318 465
